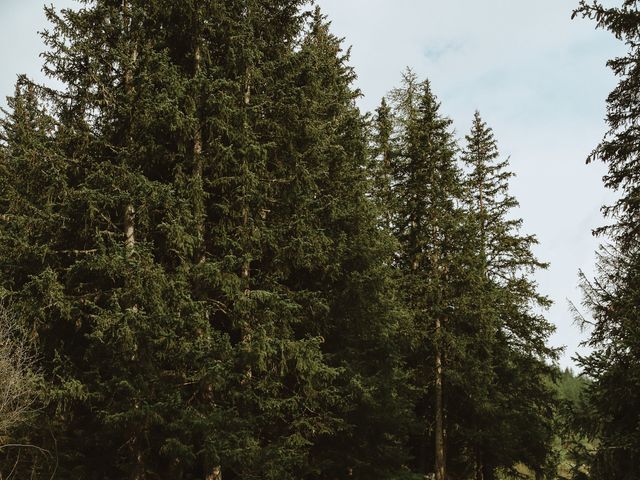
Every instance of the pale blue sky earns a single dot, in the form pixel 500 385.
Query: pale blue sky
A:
pixel 538 78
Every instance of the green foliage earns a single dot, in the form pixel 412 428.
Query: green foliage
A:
pixel 174 343
pixel 417 170
pixel 462 259
pixel 573 448
pixel 515 400
pixel 613 412
pixel 570 386
pixel 227 269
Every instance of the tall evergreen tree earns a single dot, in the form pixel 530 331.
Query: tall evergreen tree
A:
pixel 612 297
pixel 170 339
pixel 113 316
pixel 213 298
pixel 514 398
pixel 427 186
pixel 338 254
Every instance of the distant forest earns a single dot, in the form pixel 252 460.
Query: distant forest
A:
pixel 214 265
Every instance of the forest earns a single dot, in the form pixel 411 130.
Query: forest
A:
pixel 214 265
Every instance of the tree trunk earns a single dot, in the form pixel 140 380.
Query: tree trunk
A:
pixel 138 472
pixel 439 440
pixel 129 228
pixel 216 474
pixel 197 164
pixel 246 267
pixel 129 212
pixel 245 208
pixel 487 472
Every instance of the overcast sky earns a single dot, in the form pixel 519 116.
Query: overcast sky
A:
pixel 538 78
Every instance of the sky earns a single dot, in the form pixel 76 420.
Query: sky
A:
pixel 538 78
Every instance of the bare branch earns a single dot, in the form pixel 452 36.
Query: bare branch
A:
pixel 17 361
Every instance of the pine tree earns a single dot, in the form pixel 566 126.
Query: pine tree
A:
pixel 284 387
pixel 18 362
pixel 112 315
pixel 612 297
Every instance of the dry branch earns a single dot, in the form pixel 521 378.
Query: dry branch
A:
pixel 16 373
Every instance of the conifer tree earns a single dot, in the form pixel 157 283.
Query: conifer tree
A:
pixel 427 188
pixel 112 316
pixel 382 154
pixel 612 297
pixel 18 386
pixel 175 345
pixel 338 259
pixel 510 360
pixel 213 298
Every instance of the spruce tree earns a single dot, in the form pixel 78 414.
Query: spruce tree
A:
pixel 426 222
pixel 510 361
pixel 337 259
pixel 382 160
pixel 171 342
pixel 213 298
pixel 612 296
pixel 113 316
